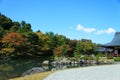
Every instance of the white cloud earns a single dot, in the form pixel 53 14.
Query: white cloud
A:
pixel 88 30
pixel 108 31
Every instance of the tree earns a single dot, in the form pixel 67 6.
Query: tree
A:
pixel 12 43
pixel 84 47
pixel 1 32
pixel 58 51
pixel 23 23
pixel 64 49
pixel 61 46
pixel 15 23
pixel 15 27
pixel 1 35
pixel 77 54
pixel 13 39
pixel 44 43
pixel 5 22
pixel 25 27
pixel 51 41
pixel 31 38
pixel 69 50
pixel 18 39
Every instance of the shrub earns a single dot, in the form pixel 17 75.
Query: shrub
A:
pixel 88 57
pixel 117 59
pixel 100 54
pixel 109 56
pixel 77 55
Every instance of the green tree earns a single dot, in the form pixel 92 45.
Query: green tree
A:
pixel 77 54
pixel 51 42
pixel 84 47
pixel 15 27
pixel 25 27
pixel 1 32
pixel 31 38
pixel 5 22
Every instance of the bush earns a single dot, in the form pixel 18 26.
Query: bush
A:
pixel 88 57
pixel 100 54
pixel 77 55
pixel 117 59
pixel 109 56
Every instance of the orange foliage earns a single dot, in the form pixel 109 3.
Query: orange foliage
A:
pixel 58 50
pixel 68 47
pixel 13 38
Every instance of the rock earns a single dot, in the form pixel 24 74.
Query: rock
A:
pixel 45 67
pixel 54 63
pixel 33 71
pixel 64 67
pixel 46 62
pixel 53 69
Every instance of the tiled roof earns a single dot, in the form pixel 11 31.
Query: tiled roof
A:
pixel 114 42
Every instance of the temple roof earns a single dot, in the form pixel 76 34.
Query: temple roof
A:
pixel 115 42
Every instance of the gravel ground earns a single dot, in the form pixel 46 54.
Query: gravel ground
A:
pixel 106 72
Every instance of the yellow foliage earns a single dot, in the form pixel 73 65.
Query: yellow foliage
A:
pixel 8 50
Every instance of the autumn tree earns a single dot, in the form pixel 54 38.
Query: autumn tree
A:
pixel 11 42
pixel 61 45
pixel 18 39
pixel 44 43
pixel 58 51
pixel 13 39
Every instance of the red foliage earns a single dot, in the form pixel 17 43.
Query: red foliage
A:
pixel 13 38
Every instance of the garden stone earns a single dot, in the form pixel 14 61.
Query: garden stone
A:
pixel 33 71
pixel 46 62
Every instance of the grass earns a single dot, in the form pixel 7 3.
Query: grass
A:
pixel 38 76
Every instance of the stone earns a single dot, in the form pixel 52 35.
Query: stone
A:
pixel 33 71
pixel 46 62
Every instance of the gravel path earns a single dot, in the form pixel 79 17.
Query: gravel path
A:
pixel 107 72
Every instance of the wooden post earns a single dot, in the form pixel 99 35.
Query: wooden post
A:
pixel 106 52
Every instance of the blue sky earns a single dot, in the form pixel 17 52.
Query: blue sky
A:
pixel 97 20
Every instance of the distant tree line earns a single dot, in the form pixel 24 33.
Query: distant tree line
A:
pixel 17 40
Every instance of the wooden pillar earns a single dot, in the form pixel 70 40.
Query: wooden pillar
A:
pixel 106 52
pixel 116 52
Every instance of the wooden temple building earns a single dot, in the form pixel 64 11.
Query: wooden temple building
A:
pixel 114 45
